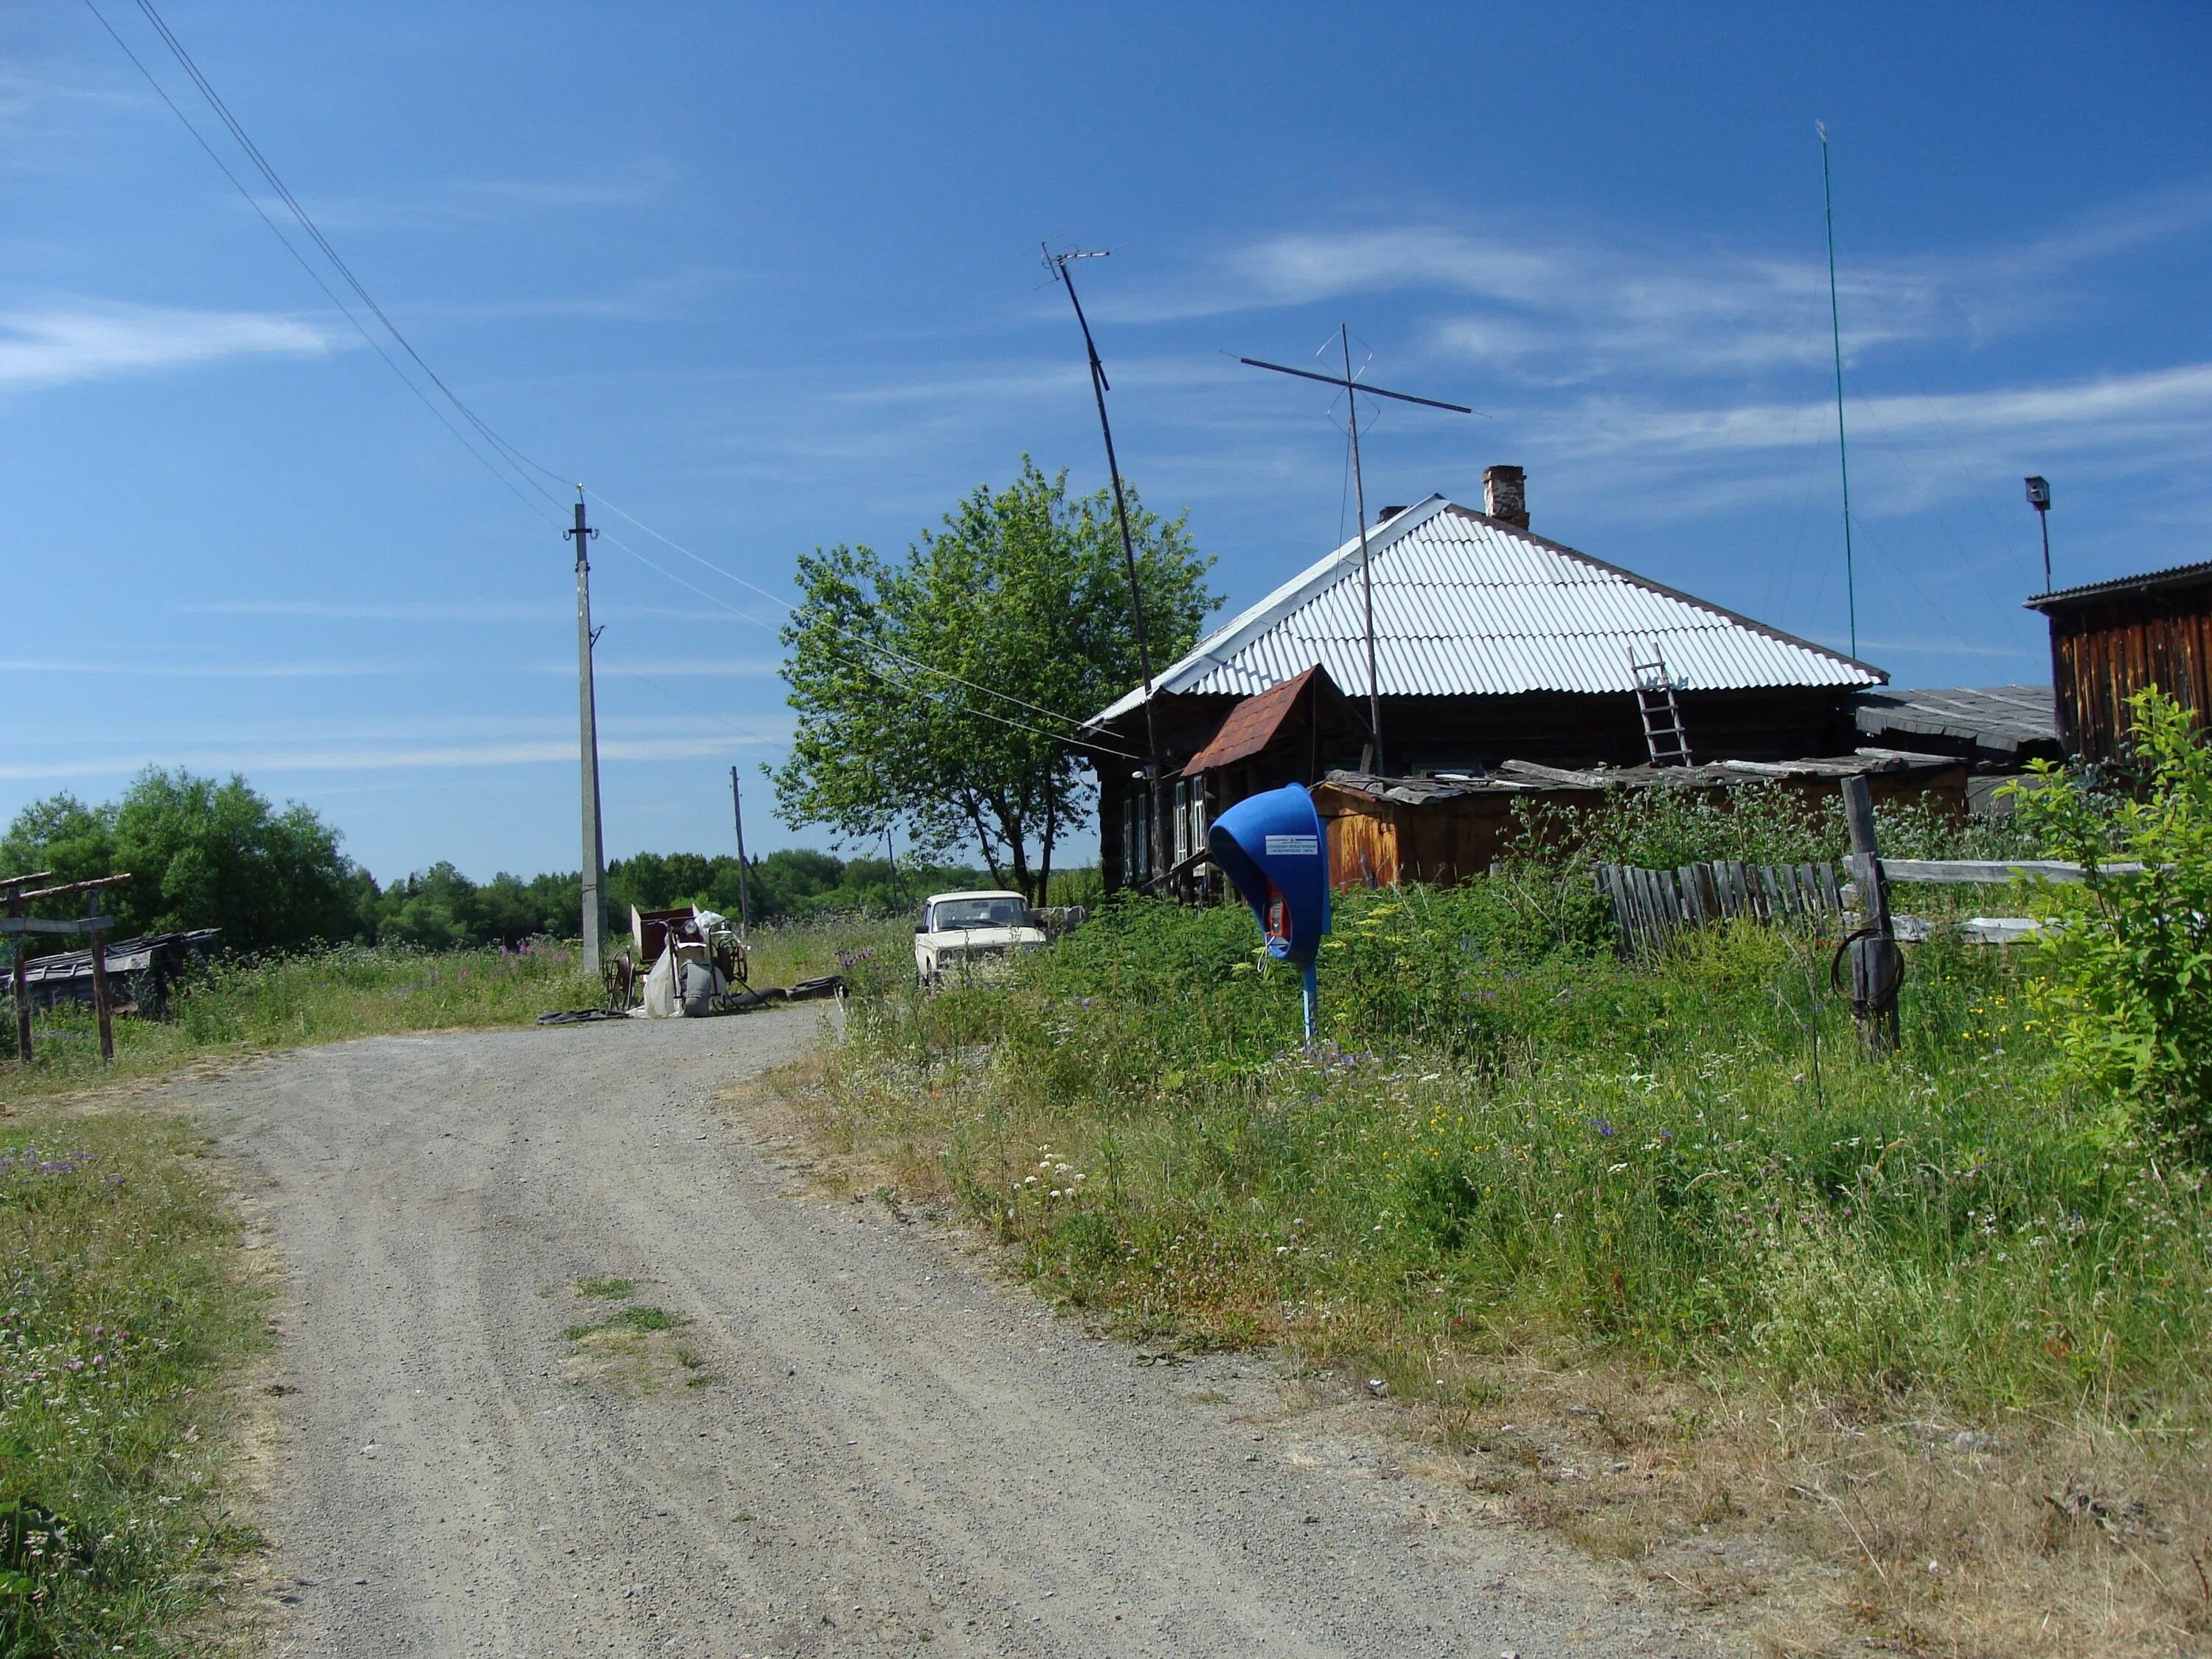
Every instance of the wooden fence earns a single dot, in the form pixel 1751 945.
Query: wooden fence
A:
pixel 1650 905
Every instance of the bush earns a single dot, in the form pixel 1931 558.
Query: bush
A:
pixel 2127 954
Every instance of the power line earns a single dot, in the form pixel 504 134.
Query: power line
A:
pixel 915 663
pixel 514 457
pixel 314 275
pixel 860 663
pixel 517 460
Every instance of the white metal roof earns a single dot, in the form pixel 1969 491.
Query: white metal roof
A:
pixel 1469 605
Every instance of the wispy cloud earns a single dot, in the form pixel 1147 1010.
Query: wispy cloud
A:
pixel 1552 305
pixel 461 610
pixel 275 760
pixel 56 345
pixel 469 201
pixel 218 669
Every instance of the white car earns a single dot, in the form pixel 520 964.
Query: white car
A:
pixel 960 932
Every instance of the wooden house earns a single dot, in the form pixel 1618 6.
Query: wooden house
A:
pixel 1492 645
pixel 2110 640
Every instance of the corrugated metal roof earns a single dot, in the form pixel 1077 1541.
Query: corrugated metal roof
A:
pixel 1469 605
pixel 2180 575
pixel 2001 718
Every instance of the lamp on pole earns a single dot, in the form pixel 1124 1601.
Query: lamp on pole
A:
pixel 2038 497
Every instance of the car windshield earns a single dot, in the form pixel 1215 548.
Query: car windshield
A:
pixel 947 914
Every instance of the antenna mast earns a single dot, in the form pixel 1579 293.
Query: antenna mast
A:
pixel 1836 338
pixel 1366 577
pixel 1154 840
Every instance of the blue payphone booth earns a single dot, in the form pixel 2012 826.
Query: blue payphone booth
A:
pixel 1275 849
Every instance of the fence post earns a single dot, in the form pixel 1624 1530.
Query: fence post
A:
pixel 1877 969
pixel 100 1003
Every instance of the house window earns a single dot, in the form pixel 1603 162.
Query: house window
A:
pixel 1136 842
pixel 1189 818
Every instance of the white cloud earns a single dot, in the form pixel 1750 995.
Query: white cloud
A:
pixel 59 344
pixel 1562 307
pixel 214 668
pixel 2155 405
pixel 258 762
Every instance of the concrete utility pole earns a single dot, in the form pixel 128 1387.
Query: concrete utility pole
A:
pixel 745 871
pixel 588 721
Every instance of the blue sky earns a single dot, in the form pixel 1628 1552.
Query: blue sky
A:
pixel 766 278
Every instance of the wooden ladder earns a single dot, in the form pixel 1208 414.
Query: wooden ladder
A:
pixel 1664 734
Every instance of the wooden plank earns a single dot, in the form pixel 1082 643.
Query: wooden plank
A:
pixel 1992 872
pixel 1693 900
pixel 1832 895
pixel 40 925
pixel 1770 891
pixel 1709 892
pixel 1609 887
pixel 1746 890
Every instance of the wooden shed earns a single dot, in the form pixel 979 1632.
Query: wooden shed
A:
pixel 2110 640
pixel 1447 829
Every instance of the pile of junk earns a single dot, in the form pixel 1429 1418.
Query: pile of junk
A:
pixel 685 963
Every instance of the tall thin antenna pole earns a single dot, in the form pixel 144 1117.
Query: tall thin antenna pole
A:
pixel 1352 389
pixel 1366 576
pixel 1836 338
pixel 1154 835
pixel 587 742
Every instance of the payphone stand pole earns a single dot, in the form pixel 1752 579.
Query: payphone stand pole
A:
pixel 1312 983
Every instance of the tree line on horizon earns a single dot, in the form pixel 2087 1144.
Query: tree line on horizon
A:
pixel 209 853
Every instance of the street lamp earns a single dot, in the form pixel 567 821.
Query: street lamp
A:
pixel 2038 497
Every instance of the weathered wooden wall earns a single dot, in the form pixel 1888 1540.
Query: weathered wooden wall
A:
pixel 2102 653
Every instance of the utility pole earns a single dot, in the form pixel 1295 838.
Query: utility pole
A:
pixel 1155 831
pixel 1352 388
pixel 745 871
pixel 587 738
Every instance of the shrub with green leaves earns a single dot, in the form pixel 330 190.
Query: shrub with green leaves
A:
pixel 2127 953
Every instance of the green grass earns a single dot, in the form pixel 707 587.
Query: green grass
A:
pixel 1509 1140
pixel 629 1319
pixel 615 1290
pixel 118 1314
pixel 253 1005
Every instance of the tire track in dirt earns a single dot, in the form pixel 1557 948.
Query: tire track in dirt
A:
pixel 880 1450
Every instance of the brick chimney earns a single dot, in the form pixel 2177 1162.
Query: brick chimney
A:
pixel 1505 495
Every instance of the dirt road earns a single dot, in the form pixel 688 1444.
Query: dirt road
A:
pixel 859 1442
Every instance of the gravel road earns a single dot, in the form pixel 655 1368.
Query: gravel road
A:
pixel 859 1442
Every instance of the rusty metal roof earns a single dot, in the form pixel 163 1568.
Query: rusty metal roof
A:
pixel 1255 722
pixel 1466 604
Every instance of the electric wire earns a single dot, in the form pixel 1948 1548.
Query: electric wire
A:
pixel 858 662
pixel 899 656
pixel 513 456
pixel 314 275
pixel 517 460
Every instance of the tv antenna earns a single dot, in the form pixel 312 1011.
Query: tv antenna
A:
pixel 1350 385
pixel 1155 841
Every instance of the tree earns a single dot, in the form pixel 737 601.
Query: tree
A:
pixel 942 692
pixel 2127 951
pixel 201 854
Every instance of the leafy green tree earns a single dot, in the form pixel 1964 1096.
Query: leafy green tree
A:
pixel 1023 591
pixel 202 854
pixel 2128 951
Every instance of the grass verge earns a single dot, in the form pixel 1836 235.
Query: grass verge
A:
pixel 123 1310
pixel 250 1006
pixel 1651 1253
